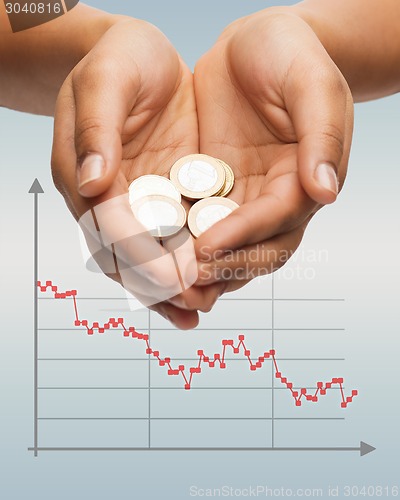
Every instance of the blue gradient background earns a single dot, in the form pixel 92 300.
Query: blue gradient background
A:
pixel 361 234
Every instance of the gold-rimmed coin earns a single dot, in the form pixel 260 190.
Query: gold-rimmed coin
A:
pixel 205 213
pixel 229 179
pixel 198 176
pixel 148 185
pixel 161 215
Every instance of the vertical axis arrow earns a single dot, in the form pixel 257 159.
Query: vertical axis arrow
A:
pixel 35 189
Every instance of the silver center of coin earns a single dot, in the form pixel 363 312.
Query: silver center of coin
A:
pixel 156 214
pixel 210 215
pixel 197 176
pixel 150 185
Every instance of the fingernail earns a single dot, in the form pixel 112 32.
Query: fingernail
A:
pixel 91 169
pixel 325 175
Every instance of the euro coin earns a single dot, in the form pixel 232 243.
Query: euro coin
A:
pixel 148 185
pixel 160 215
pixel 205 213
pixel 198 176
pixel 229 180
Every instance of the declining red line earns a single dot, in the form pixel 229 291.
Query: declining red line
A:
pixel 211 362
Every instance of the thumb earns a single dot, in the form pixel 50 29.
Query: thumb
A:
pixel 102 104
pixel 322 114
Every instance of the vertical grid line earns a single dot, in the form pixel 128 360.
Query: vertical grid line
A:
pixel 272 364
pixel 149 369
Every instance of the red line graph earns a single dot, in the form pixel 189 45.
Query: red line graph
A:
pixel 217 359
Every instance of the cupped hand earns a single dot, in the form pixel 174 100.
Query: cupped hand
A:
pixel 127 109
pixel 273 105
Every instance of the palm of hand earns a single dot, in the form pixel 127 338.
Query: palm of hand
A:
pixel 161 128
pixel 250 129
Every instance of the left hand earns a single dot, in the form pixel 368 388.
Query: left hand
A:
pixel 273 105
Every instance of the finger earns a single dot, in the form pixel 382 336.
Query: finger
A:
pixel 199 298
pixel 319 102
pixel 64 158
pixel 221 288
pixel 103 100
pixel 280 208
pixel 182 319
pixel 252 261
pixel 151 270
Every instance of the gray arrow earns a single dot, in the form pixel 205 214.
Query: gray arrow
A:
pixel 35 189
pixel 363 449
pixel 366 448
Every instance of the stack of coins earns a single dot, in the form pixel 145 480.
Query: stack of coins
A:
pixel 156 201
pixel 201 176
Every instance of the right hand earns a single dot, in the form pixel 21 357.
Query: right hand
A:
pixel 127 109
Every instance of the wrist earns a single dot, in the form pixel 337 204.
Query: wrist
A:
pixel 97 27
pixel 330 32
pixel 324 28
pixel 313 18
pixel 351 33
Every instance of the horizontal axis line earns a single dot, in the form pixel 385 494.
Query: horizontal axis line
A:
pixel 230 449
pixel 191 418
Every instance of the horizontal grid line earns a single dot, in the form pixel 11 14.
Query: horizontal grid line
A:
pixel 255 299
pixel 176 388
pixel 184 359
pixel 203 329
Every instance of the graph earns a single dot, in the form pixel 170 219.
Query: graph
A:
pixel 217 359
pixel 106 381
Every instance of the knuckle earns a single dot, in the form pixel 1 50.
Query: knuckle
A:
pixel 89 125
pixel 87 131
pixel 332 136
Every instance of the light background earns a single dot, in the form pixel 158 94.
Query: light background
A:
pixel 361 234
